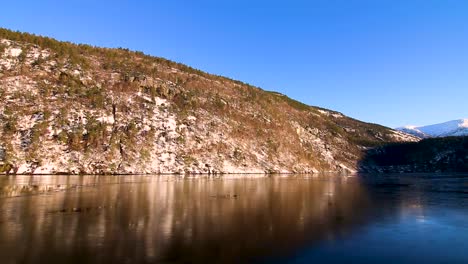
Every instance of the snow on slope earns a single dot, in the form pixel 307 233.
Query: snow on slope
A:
pixel 452 128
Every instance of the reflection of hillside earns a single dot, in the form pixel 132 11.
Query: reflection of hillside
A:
pixel 165 219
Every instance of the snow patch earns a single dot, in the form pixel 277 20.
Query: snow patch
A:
pixel 328 113
pixel 15 52
pixel 5 42
pixel 464 123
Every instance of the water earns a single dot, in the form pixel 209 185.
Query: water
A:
pixel 243 219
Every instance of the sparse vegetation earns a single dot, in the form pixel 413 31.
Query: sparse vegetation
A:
pixel 96 134
pixel 96 97
pixel 2 48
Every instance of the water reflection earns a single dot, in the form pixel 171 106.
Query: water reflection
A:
pixel 414 219
pixel 165 219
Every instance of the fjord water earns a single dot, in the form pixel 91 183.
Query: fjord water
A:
pixel 234 219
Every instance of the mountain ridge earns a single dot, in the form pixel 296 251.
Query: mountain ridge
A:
pixel 458 127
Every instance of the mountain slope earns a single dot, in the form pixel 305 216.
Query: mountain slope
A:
pixel 448 154
pixel 67 108
pixel 452 128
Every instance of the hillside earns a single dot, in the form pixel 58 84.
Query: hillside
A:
pixel 67 108
pixel 449 154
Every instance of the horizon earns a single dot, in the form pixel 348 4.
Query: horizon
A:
pixel 414 52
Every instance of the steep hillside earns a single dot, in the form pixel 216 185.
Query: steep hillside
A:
pixel 67 108
pixel 429 155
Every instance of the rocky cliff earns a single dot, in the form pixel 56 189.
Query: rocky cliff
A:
pixel 67 108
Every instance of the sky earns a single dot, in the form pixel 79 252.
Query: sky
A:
pixel 392 62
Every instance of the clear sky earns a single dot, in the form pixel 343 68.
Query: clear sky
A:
pixel 392 62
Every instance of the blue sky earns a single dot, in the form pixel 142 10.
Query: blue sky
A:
pixel 390 62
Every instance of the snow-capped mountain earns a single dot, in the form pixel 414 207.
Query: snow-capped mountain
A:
pixel 451 128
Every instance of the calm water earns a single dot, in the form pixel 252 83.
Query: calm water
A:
pixel 249 219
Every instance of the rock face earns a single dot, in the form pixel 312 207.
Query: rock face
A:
pixel 67 108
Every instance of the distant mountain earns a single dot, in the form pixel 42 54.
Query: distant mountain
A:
pixel 452 128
